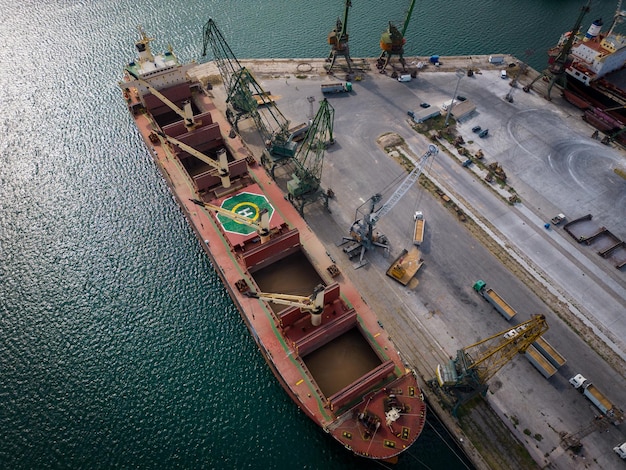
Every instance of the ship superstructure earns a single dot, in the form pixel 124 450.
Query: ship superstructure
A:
pixel 595 73
pixel 322 342
pixel 595 54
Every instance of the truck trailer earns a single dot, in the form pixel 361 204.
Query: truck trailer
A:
pixel 298 132
pixel 339 87
pixel 549 352
pixel 494 299
pixel 418 232
pixel 540 362
pixel 615 415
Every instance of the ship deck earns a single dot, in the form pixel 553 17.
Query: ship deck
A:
pixel 347 397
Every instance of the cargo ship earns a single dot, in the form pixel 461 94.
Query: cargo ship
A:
pixel 322 342
pixel 595 72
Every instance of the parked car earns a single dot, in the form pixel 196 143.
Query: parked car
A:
pixel 461 98
pixel 424 105
pixel 411 113
pixel 476 129
pixel 467 162
pixel 483 133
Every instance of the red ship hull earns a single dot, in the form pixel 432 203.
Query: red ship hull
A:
pixel 368 400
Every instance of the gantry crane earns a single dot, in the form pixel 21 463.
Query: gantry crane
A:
pixel 338 40
pixel 362 234
pixel 555 72
pixel 262 226
pixel 392 42
pixel 314 304
pixel 466 376
pixel 304 186
pixel 245 95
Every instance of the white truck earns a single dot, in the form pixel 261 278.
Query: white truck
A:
pixel 621 450
pixel 595 396
pixel 418 233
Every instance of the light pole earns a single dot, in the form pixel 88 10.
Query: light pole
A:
pixel 459 74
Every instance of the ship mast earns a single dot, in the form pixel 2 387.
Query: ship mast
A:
pixel 143 47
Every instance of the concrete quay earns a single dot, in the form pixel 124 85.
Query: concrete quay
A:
pixel 553 166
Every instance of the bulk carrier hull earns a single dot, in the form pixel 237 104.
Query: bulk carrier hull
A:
pixel 335 361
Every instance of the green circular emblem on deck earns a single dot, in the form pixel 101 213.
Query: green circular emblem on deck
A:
pixel 245 204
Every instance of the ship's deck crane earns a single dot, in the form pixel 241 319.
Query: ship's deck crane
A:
pixel 362 233
pixel 338 40
pixel 242 90
pixel 556 70
pixel 221 165
pixel 618 17
pixel 304 186
pixel 262 226
pixel 313 304
pixel 466 376
pixel 186 113
pixel 392 42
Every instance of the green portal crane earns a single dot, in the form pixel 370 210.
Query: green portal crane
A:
pixel 392 42
pixel 338 40
pixel 555 72
pixel 304 187
pixel 245 97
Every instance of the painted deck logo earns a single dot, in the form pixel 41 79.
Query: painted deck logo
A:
pixel 248 205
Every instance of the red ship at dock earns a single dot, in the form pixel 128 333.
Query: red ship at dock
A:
pixel 323 343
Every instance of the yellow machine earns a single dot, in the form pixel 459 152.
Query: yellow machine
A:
pixel 466 376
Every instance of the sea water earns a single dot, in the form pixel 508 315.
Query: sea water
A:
pixel 119 347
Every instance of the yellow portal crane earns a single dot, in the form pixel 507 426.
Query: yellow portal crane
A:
pixel 262 226
pixel 313 304
pixel 466 376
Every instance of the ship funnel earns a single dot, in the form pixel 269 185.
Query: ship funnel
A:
pixel 594 29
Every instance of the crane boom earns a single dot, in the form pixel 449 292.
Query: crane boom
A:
pixel 466 376
pixel 362 232
pixel 408 18
pixel 242 89
pixel 313 303
pixel 556 70
pixel 309 157
pixel 186 113
pixel 225 59
pixel 262 226
pixel 406 184
pixel 488 361
pixel 558 66
pixel 221 165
